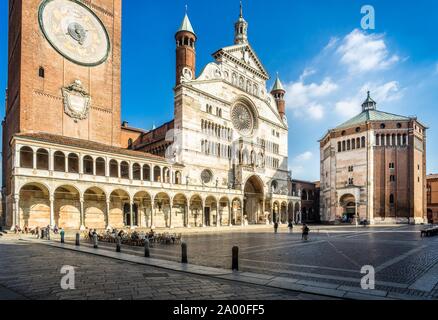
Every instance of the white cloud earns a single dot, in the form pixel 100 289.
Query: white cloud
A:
pixel 307 99
pixel 348 108
pixel 307 73
pixel 304 157
pixel 386 92
pixel 361 52
pixel 332 43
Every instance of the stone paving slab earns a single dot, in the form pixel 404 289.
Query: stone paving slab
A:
pixel 311 287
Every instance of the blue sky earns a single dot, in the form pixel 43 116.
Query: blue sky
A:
pixel 325 60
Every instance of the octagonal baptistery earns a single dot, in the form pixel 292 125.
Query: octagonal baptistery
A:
pixel 373 169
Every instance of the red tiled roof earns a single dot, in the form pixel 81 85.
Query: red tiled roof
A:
pixel 85 144
pixel 432 176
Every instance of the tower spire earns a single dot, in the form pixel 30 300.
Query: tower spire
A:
pixel 241 29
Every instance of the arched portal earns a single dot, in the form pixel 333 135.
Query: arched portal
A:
pixel 195 217
pixel 179 211
pixel 348 203
pixel 95 209
pixel 297 213
pixel 162 210
pixel 143 204
pixel 224 211
pixel 253 201
pixel 34 206
pixel 236 212
pixel 430 216
pixel 290 212
pixel 283 212
pixel 120 215
pixel 67 208
pixel 210 211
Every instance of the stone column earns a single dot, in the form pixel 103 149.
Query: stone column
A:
pixel 66 163
pixel 52 210
pixel 153 208
pixel 170 214
pixel 217 214
pixel 203 214
pixel 108 206
pixel 230 214
pixel 119 173
pixel 242 212
pixel 107 167
pixel 82 214
pixel 34 159
pixel 186 216
pixel 16 214
pixel 131 213
pixel 81 164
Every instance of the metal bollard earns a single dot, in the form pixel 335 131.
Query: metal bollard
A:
pixel 62 237
pixel 184 258
pixel 78 239
pixel 118 244
pixel 235 263
pixel 95 242
pixel 147 252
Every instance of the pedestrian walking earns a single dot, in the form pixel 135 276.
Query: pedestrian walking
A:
pixel 306 232
pixel 276 227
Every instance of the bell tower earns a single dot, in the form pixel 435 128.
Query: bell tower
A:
pixel 185 51
pixel 64 69
pixel 278 92
pixel 241 29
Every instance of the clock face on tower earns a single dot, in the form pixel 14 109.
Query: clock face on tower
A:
pixel 74 31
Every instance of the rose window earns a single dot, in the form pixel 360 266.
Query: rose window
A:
pixel 206 176
pixel 243 120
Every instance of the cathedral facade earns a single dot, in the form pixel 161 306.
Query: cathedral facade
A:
pixel 373 168
pixel 69 161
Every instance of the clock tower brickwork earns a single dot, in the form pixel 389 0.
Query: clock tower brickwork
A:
pixel 37 74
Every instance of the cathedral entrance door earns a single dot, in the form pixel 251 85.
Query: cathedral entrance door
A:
pixel 254 193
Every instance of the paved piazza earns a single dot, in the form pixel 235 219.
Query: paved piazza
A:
pixel 404 262
pixel 32 271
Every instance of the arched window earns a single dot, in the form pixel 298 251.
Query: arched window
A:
pixel 348 145
pixel 343 146
pixel 405 141
pixel 391 200
pixel 42 159
pixel 363 142
pixel 100 167
pixel 136 172
pixel 382 140
pixel 146 173
pixel 73 163
pixel 124 170
pixel 378 140
pixel 393 140
pixel 88 165
pixel 353 144
pixel 26 157
pixel 59 161
pixel 339 146
pixel 114 169
pixel 157 174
